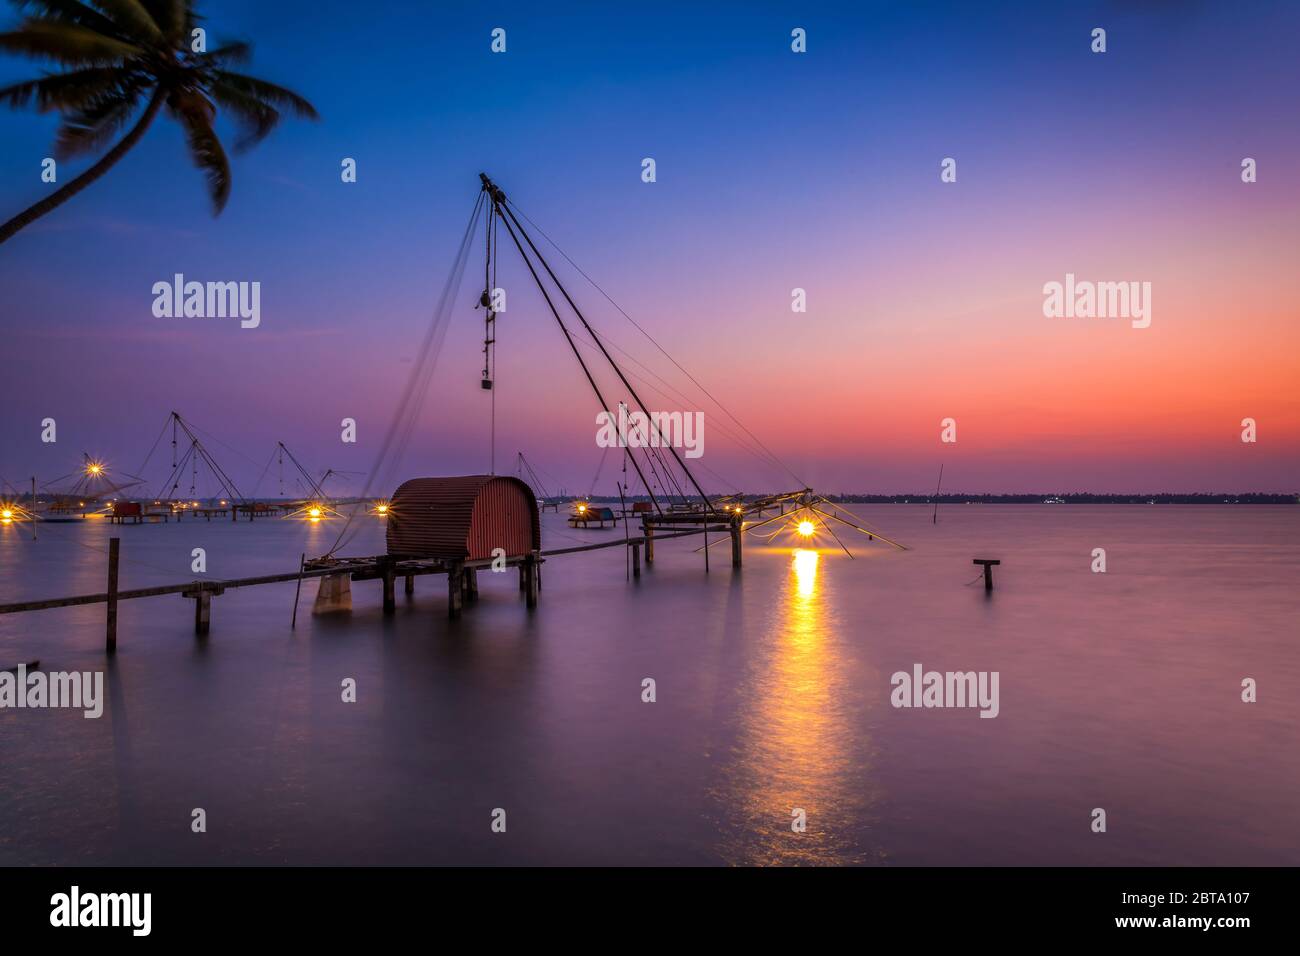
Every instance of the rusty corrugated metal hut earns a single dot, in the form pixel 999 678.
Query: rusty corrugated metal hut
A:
pixel 463 518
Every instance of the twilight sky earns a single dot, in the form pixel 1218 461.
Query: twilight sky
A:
pixel 775 171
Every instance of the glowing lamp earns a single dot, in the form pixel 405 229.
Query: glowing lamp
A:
pixel 806 528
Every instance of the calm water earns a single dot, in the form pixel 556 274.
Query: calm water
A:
pixel 1118 690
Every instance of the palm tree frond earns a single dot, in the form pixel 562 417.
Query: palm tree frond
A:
pixel 87 130
pixel 233 51
pixel 67 43
pixel 64 91
pixel 254 117
pixel 71 11
pixel 195 114
pixel 172 17
pixel 269 93
pixel 133 19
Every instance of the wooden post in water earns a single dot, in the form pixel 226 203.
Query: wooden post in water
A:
pixel 636 560
pixel 471 584
pixel 649 534
pixel 390 580
pixel 530 563
pixel 202 611
pixel 455 588
pixel 988 570
pixel 410 584
pixel 735 542
pixel 114 546
pixel 302 562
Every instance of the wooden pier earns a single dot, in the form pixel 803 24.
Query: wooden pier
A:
pixel 462 578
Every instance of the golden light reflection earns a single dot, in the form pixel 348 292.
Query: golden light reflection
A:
pixel 796 746
pixel 805 571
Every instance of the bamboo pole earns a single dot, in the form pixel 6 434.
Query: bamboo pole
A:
pixel 301 564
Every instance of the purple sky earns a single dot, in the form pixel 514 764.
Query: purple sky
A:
pixel 775 171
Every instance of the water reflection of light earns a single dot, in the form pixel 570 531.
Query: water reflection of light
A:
pixel 805 572
pixel 795 745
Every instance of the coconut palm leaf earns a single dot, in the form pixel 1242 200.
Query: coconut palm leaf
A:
pixel 236 51
pixel 172 16
pixel 132 17
pixel 195 113
pixel 71 11
pixel 63 91
pixel 255 118
pixel 269 93
pixel 115 53
pixel 86 130
pixel 67 43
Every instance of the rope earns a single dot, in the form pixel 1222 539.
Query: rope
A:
pixel 149 456
pixel 403 422
pixel 656 344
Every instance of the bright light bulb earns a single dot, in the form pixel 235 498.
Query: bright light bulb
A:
pixel 806 528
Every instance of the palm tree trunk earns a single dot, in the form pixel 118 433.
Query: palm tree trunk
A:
pixel 71 188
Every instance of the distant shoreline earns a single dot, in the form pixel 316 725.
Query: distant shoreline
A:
pixel 1073 499
pixel 1082 498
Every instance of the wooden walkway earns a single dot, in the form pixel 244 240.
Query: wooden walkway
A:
pixel 462 578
